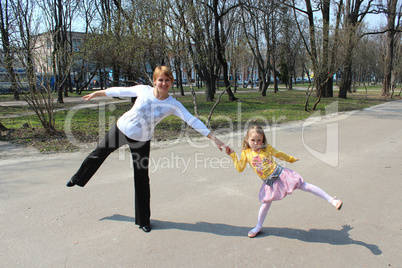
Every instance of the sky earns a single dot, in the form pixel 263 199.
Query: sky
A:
pixel 373 20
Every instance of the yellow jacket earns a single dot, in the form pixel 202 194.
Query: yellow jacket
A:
pixel 261 161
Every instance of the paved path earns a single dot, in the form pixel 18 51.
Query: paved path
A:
pixel 202 208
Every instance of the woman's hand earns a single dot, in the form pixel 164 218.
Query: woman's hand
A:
pixel 89 96
pixel 94 94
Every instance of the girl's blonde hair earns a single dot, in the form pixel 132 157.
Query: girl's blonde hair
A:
pixel 163 70
pixel 256 129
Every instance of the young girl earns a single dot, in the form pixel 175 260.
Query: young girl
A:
pixel 277 181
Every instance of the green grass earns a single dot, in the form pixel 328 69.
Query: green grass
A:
pixel 14 110
pixel 288 104
pixel 86 124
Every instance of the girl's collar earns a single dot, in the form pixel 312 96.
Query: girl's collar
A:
pixel 259 150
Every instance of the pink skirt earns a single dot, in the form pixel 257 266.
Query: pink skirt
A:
pixel 288 181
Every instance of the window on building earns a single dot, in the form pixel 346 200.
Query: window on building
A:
pixel 76 45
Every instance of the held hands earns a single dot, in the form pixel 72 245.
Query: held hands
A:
pixel 219 143
pixel 230 151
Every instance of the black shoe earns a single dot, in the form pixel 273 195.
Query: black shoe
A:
pixel 146 229
pixel 70 183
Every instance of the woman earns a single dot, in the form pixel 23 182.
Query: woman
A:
pixel 135 128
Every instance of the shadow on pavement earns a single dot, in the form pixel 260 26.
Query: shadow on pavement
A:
pixel 333 237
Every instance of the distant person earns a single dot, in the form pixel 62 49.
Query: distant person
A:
pixel 277 181
pixel 136 128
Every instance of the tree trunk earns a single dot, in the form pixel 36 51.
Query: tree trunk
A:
pixel 391 15
pixel 264 87
pixel 177 64
pixel 8 58
pixel 116 76
pixel 346 79
pixel 326 87
pixel 346 82
pixel 221 52
pixel 274 76
pixel 353 18
pixel 329 88
pixel 209 90
pixel 290 83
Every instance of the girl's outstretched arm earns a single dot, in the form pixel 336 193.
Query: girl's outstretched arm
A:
pixel 281 155
pixel 240 165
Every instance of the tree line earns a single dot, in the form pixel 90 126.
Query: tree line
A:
pixel 278 39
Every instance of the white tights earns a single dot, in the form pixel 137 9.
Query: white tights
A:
pixel 307 187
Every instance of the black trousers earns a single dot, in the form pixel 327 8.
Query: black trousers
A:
pixel 113 140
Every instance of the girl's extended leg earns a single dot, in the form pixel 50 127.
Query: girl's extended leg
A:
pixel 316 190
pixel 262 214
pixel 320 193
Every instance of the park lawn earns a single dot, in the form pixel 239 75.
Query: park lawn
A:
pixel 87 125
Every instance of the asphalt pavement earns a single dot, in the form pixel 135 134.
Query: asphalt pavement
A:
pixel 202 208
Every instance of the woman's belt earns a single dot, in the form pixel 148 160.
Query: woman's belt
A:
pixel 274 176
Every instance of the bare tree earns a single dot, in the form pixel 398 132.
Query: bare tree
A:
pixel 321 48
pixel 220 10
pixel 177 49
pixel 6 22
pixel 59 15
pixel 238 54
pixel 143 23
pixel 60 45
pixel 81 63
pixel 367 61
pixel 290 45
pixel 355 13
pixel 393 13
pixel 129 36
pixel 198 29
pixel 260 22
pixel 318 52
pixel 39 97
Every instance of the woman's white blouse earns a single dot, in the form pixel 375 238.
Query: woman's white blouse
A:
pixel 139 122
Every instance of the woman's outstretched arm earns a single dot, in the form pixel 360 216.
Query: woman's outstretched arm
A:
pixel 95 94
